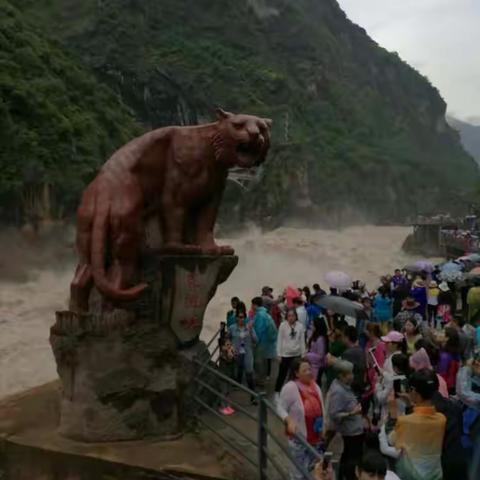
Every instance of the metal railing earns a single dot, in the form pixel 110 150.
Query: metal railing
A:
pixel 263 440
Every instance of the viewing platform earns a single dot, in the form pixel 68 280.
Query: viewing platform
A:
pixel 443 236
pixel 32 448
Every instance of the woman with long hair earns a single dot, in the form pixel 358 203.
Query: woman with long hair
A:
pixel 412 334
pixel 231 314
pixel 449 359
pixel 374 346
pixel 241 308
pixel 307 294
pixel 290 345
pixel 318 348
pixel 376 353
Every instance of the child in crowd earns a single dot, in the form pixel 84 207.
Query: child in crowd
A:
pixel 432 294
pixel 226 365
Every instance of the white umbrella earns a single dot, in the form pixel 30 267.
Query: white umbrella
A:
pixel 338 280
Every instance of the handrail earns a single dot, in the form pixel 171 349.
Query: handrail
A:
pixel 223 377
pixel 205 363
pixel 215 336
pixel 290 457
pixel 262 436
pixel 297 436
pixel 228 441
pixel 223 397
pixel 263 431
pixel 235 429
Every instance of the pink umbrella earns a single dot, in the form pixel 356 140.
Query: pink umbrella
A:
pixel 290 294
pixel 338 280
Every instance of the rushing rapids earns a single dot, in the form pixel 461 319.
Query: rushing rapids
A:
pixel 285 256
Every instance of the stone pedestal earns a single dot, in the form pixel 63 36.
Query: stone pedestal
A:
pixel 126 373
pixel 32 449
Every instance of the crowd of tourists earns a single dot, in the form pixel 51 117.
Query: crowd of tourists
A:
pixel 399 379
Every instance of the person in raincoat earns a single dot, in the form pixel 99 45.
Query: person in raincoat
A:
pixel 232 314
pixel 266 333
pixel 289 294
pixel 383 309
pixel 419 293
pixel 473 301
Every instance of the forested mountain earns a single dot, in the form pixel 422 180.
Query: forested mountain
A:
pixel 57 123
pixel 355 128
pixel 469 134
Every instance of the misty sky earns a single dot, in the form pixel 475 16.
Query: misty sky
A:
pixel 440 38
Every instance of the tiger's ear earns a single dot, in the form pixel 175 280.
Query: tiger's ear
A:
pixel 268 121
pixel 222 114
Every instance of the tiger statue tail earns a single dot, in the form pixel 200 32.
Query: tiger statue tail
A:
pixel 99 238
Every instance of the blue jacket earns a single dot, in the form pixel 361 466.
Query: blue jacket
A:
pixel 231 318
pixel 313 312
pixel 382 308
pixel 266 332
pixel 420 296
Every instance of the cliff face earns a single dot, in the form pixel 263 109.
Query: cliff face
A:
pixel 355 128
pixel 469 135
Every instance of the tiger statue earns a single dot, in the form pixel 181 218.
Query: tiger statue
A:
pixel 179 174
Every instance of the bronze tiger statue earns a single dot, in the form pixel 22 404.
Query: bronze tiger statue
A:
pixel 179 174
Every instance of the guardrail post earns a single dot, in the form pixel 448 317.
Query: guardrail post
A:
pixel 262 436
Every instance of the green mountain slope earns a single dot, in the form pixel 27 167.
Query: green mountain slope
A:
pixel 355 128
pixel 57 123
pixel 469 134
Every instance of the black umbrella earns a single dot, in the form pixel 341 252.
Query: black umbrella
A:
pixel 340 305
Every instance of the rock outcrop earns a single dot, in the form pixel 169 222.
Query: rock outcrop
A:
pixel 127 373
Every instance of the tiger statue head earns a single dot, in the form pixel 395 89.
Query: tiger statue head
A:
pixel 241 140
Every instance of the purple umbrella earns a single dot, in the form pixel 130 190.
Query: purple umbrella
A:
pixel 424 266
